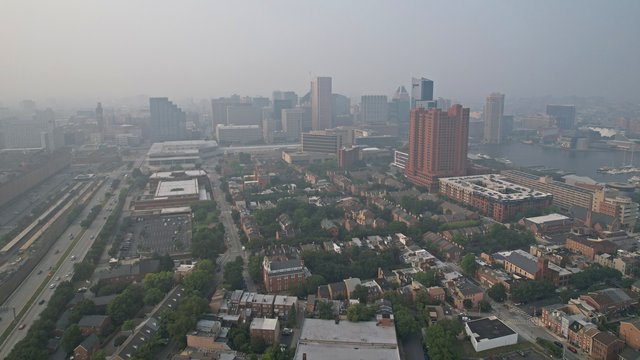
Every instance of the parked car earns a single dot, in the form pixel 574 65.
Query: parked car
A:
pixel 558 344
pixel 287 331
pixel 572 349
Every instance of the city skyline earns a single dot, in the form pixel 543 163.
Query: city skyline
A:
pixel 506 49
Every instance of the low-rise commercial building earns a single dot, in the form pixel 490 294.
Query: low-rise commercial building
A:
pixel 186 154
pixel 489 333
pixel 345 340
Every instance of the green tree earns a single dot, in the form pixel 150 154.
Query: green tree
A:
pixel 71 338
pixel 82 270
pixel 128 325
pixel 233 274
pixel 163 281
pixel 406 324
pixel 532 290
pixel 153 296
pixel 497 292
pixel 469 264
pixel 484 306
pixel 468 304
pixel 126 304
pixel 258 345
pixel 426 278
pixel 99 355
pixel 325 310
pixel 361 293
pixel 82 308
pixel 439 340
pixel 255 267
pixel 166 263
pixel 360 312
pixel 292 317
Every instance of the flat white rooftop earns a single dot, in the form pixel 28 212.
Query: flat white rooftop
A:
pixel 172 174
pixel 179 147
pixel 493 186
pixel 263 324
pixel 324 339
pixel 177 188
pixel 547 218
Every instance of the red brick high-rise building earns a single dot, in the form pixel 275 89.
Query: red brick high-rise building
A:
pixel 438 143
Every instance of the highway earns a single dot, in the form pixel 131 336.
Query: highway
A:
pixel 33 281
pixel 234 246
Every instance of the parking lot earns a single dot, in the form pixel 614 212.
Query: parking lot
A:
pixel 164 234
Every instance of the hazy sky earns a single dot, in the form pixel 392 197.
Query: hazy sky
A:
pixel 106 49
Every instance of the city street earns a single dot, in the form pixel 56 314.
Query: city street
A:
pixel 234 246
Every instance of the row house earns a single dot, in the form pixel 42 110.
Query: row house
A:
pixel 447 250
pixel 250 228
pixel 404 217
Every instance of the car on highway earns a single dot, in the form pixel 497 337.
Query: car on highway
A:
pixel 52 286
pixel 41 302
pixel 58 278
pixel 39 272
pixel 73 257
pixel 22 326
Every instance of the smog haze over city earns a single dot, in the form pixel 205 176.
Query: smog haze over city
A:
pixel 94 50
pixel 304 180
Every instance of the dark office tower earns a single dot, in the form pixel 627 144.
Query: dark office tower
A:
pixel 374 109
pixel 564 115
pixel 260 102
pixel 100 117
pixel 321 114
pixel 341 110
pixel 421 90
pixel 399 111
pixel 168 122
pixel 286 95
pixel 437 145
pixel 493 113
pixel 507 125
pixel 278 106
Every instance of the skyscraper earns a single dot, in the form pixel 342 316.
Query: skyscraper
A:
pixel 292 120
pixel 399 107
pixel 438 143
pixel 421 90
pixel 374 109
pixel 100 118
pixel 321 103
pixel 493 114
pixel 563 115
pixel 168 121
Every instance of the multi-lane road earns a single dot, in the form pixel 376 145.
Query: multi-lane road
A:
pixel 18 300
